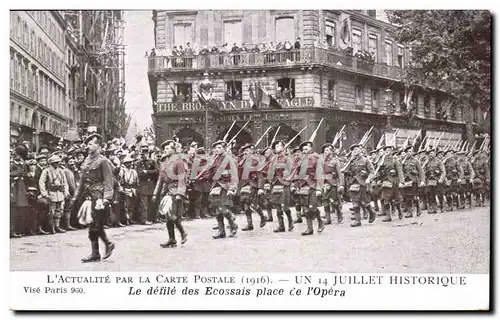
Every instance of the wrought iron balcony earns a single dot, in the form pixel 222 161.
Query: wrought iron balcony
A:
pixel 300 57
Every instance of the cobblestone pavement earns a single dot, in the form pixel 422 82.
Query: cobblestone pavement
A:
pixel 450 242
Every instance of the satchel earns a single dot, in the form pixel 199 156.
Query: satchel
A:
pixel 246 189
pixel 355 188
pixel 303 191
pixel 432 183
pixel 267 186
pixel 387 184
pixel 278 189
pixel 216 191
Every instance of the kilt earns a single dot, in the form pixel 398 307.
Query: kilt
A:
pixel 479 185
pixel 310 199
pixel 221 199
pixel 391 193
pixel 330 195
pixel 99 218
pixel 249 197
pixel 170 208
pixel 361 195
pixel 411 191
pixel 282 198
pixel 451 186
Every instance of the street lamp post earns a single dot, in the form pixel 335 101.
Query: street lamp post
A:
pixel 206 91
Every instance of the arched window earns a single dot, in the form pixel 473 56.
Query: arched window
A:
pixel 233 90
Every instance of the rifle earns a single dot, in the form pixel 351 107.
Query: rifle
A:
pixel 275 135
pixel 472 149
pixel 227 133
pixel 338 135
pixel 298 134
pixel 313 136
pixel 262 137
pixel 439 140
pixel 380 162
pixel 234 138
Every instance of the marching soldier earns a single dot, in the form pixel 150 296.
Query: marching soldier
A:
pixel 53 186
pixel 296 160
pixel 391 177
pixel 224 177
pixel 374 188
pixel 96 183
pixel 359 170
pixel 278 176
pixel 200 187
pixel 466 187
pixel 482 178
pixel 171 186
pixel 333 185
pixel 454 178
pixel 422 191
pixel 308 185
pixel 414 179
pixel 435 174
pixel 251 186
pixel 266 197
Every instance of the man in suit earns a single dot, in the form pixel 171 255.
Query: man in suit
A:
pixel 147 171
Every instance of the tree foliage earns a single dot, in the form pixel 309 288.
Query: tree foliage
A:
pixel 448 47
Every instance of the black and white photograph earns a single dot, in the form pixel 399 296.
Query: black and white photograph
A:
pixel 326 141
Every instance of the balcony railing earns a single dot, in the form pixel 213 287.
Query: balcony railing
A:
pixel 277 58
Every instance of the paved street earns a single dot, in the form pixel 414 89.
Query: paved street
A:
pixel 452 242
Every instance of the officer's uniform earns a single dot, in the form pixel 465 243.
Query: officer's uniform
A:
pixel 435 174
pixel 453 181
pixel 147 171
pixel 334 179
pixel 413 178
pixel 390 176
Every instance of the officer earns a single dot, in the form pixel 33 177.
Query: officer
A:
pixel 333 185
pixel 54 187
pixel 435 174
pixel 171 186
pixel 96 183
pixel 359 170
pixel 414 179
pixel 454 178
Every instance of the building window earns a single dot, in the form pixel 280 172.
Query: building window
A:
pixel 18 76
pixel 402 103
pixel 427 106
pixel 388 52
pixel 18 29
pixel 29 81
pixel 286 88
pixel 21 115
pixel 183 93
pixel 375 99
pixel 401 60
pixel 414 103
pixel 35 77
pixel 233 33
pixel 372 13
pixel 332 90
pixel 359 98
pixel 12 71
pixel 182 34
pixel 285 29
pixel 33 42
pixel 27 121
pixel 25 35
pixel 357 37
pixel 23 78
pixel 373 46
pixel 12 111
pixel 233 91
pixel 330 33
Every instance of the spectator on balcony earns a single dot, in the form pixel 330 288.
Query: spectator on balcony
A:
pixel 205 60
pixel 279 93
pixel 297 44
pixel 287 94
pixel 153 53
pixel 255 49
pixel 214 50
pixel 189 50
pixel 204 50
pixel 235 50
pixel 163 54
pixel 238 95
pixel 228 96
pixel 331 95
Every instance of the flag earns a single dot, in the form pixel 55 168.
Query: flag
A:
pixel 267 99
pixel 252 96
pixel 345 31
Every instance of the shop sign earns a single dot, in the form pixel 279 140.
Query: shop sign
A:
pixel 307 102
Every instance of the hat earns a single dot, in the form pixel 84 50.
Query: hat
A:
pixel 166 142
pixel 373 152
pixel 305 143
pixel 263 151
pixel 407 149
pixel 273 145
pixel 54 158
pixel 448 151
pixel 218 142
pixel 387 147
pixel 461 152
pixel 439 151
pixel 31 162
pixel 21 150
pixel 246 146
pixel 200 150
pixel 41 156
pixel 296 149
pixel 43 147
pixel 194 144
pixel 91 137
pixel 111 148
pixel 128 159
pixel 144 148
pixel 325 146
pixel 354 146
pixel 30 156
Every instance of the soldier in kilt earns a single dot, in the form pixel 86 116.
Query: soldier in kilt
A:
pixel 482 178
pixel 374 188
pixel 454 178
pixel 224 177
pixel 251 185
pixel 171 186
pixel 466 187
pixel 279 176
pixel 333 184
pixel 435 174
pixel 414 179
pixel 266 196
pixel 359 170
pixel 201 187
pixel 391 178
pixel 296 199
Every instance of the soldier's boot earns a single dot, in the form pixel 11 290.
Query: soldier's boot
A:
pixel 110 246
pixel 357 217
pixel 40 231
pixel 417 206
pixel 263 219
pixel 441 203
pixel 249 226
pixel 409 208
pixel 298 213
pixel 289 219
pixel 371 214
pixel 67 224
pixel 328 214
pixel 171 243
pixel 469 197
pixel 57 228
pixel 94 243
pixel 399 210
pixel 281 222
pixel 449 203
pixel 365 212
pixel 220 225
pixel 180 227
pixel 231 219
pixel 432 208
pixel 309 223
pixel 340 216
pixel 375 205
pixel 386 208
pixel 269 215
pixel 321 224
